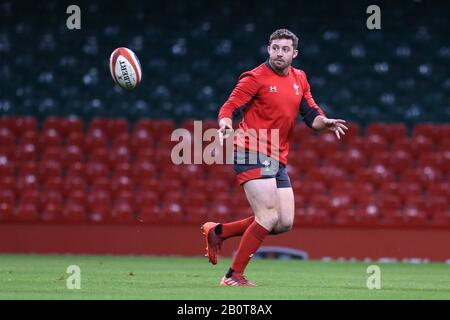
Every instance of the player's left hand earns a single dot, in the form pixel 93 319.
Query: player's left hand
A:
pixel 336 125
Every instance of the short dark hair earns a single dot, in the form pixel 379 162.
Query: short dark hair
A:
pixel 284 34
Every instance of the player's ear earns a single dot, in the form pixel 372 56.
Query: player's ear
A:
pixel 295 54
pixel 268 49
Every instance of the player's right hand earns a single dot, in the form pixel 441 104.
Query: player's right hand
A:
pixel 225 129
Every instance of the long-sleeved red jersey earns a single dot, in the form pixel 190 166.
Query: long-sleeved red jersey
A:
pixel 271 101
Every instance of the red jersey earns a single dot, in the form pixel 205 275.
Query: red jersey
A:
pixel 271 101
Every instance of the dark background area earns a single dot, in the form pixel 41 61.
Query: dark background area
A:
pixel 192 53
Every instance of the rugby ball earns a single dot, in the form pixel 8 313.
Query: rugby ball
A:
pixel 125 68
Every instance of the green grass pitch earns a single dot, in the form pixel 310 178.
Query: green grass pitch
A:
pixel 130 277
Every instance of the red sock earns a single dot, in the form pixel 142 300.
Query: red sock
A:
pixel 236 228
pixel 250 242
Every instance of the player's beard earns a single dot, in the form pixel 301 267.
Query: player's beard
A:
pixel 280 67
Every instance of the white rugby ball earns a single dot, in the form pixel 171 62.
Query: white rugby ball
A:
pixel 125 68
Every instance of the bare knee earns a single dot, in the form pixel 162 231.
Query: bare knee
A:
pixel 268 219
pixel 282 227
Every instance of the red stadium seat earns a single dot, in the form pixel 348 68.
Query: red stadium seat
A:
pixel 73 154
pixel 123 211
pixel 24 124
pixel 52 153
pixel 162 157
pixel 327 143
pixel 352 159
pixel 28 182
pixel 74 212
pixel 52 211
pixel 197 185
pixel 29 137
pixel 438 189
pixel 119 126
pixel 195 199
pixel 346 217
pixel 380 174
pixel 443 133
pixel 218 187
pixel 354 131
pixel 50 168
pixel 74 125
pixel 58 124
pixel 192 172
pixel 389 202
pixel 100 124
pixel 380 129
pixel 310 188
pixel 170 196
pixel 427 130
pixel 396 131
pixel 437 208
pixel 123 169
pixel 221 211
pixel 380 158
pixel 76 169
pixel 163 128
pixel 7 204
pixel 393 218
pixel 28 167
pixel 369 215
pixel 421 145
pixel 8 123
pixel 375 143
pixel 415 212
pixel 318 209
pixel 99 206
pixel 7 138
pixel 404 144
pixel 95 170
pixel 434 160
pixel 400 161
pixel 411 176
pixel 50 138
pixel 339 202
pixel 300 132
pixel 123 139
pixel 120 153
pixel 6 167
pixel 149 185
pixel 77 139
pixel 121 183
pixel 147 199
pixel 390 132
pixel 101 184
pixel 96 139
pixel 389 188
pixel 102 155
pixel 306 159
pixel 142 139
pixel 53 183
pixel 408 190
pixel 26 212
pixel 446 162
pixel 196 214
pixel 430 175
pixel 8 183
pixel 307 143
pixel 144 169
pixel 26 152
pixel 150 215
pixel 172 212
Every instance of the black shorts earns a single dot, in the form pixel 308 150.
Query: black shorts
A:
pixel 251 165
